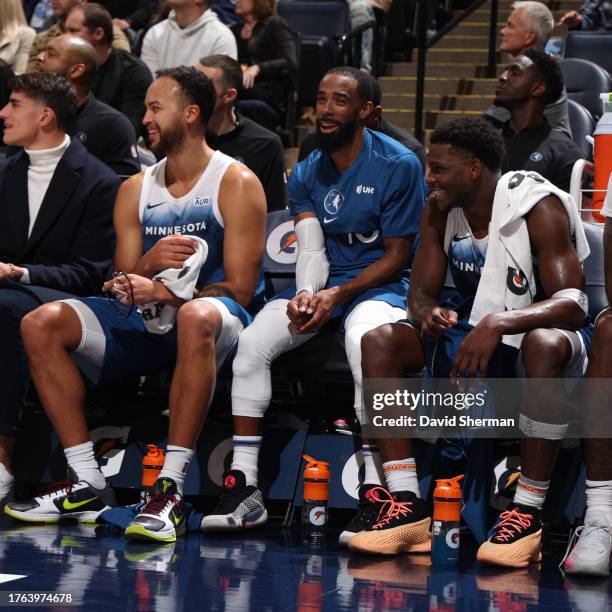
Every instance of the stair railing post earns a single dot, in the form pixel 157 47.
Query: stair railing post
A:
pixel 492 64
pixel 423 13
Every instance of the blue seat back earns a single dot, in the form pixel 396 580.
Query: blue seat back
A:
pixel 594 270
pixel 280 253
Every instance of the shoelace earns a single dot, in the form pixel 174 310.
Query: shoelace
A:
pixel 63 485
pixel 390 508
pixel 512 522
pixel 574 540
pixel 159 501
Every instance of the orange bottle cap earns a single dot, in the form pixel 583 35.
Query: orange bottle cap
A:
pixel 316 479
pixel 448 499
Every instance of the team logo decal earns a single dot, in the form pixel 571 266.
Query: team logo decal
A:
pixel 219 459
pixel 317 516
pixel 350 474
pixel 452 538
pixel 230 482
pixel 333 202
pixel 109 448
pixel 536 156
pixel 281 246
pixel 516 281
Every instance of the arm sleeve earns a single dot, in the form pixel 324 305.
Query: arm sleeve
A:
pixel 26 39
pixel 92 249
pixel 312 267
pixel 404 198
pixel 285 46
pixel 299 196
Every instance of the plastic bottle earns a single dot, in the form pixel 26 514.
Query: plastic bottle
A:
pixel 448 501
pixel 152 463
pixel 316 494
pixel 602 156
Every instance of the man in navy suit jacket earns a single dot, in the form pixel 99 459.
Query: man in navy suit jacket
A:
pixel 56 232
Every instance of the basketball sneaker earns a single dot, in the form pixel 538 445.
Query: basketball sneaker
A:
pixel 402 526
pixel 590 555
pixel 367 513
pixel 516 540
pixel 162 518
pixel 240 507
pixel 68 499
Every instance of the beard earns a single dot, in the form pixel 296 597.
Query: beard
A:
pixel 170 140
pixel 330 143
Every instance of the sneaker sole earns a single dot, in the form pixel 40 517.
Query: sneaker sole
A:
pixel 412 538
pixel 81 517
pixel 215 523
pixel 518 554
pixel 138 532
pixel 582 569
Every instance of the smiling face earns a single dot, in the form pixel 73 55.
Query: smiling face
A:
pixel 339 111
pixel 164 120
pixel 518 83
pixel 23 118
pixel 450 175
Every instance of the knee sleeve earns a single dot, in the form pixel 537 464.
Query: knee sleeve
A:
pixel 258 346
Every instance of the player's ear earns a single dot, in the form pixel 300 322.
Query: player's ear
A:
pixel 230 95
pixel 192 113
pixel 475 168
pixel 366 110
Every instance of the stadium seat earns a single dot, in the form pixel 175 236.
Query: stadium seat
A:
pixel 594 270
pixel 593 46
pixel 584 81
pixel 583 125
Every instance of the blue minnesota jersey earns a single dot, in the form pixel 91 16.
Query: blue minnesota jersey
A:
pixel 379 196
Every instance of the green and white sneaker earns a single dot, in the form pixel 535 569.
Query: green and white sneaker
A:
pixel 163 518
pixel 64 500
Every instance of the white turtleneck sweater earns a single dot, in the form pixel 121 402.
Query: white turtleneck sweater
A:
pixel 43 163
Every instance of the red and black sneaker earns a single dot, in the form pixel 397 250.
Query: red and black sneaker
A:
pixel 240 507
pixel 401 526
pixel 516 540
pixel 367 514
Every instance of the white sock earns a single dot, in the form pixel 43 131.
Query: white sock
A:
pixel 246 456
pixel 82 461
pixel 401 475
pixel 599 498
pixel 373 464
pixel 531 492
pixel 176 465
pixel 6 482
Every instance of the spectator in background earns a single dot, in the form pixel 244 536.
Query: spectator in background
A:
pixel 56 231
pixel 190 32
pixel 374 121
pixel 592 15
pixel 259 149
pixel 6 74
pixel 122 80
pixel 42 15
pixel 525 88
pixel 16 37
pixel 133 14
pixel 530 25
pixel 267 55
pixel 61 8
pixel 104 131
pixel 226 11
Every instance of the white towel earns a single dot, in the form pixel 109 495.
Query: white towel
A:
pixel 159 318
pixel 508 281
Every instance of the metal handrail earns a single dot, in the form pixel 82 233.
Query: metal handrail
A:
pixel 423 45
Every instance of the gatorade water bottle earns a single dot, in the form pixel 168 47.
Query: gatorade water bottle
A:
pixel 446 519
pixel 152 463
pixel 316 494
pixel 602 156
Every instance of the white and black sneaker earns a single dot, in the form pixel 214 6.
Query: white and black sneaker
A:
pixel 367 514
pixel 64 500
pixel 240 506
pixel 162 518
